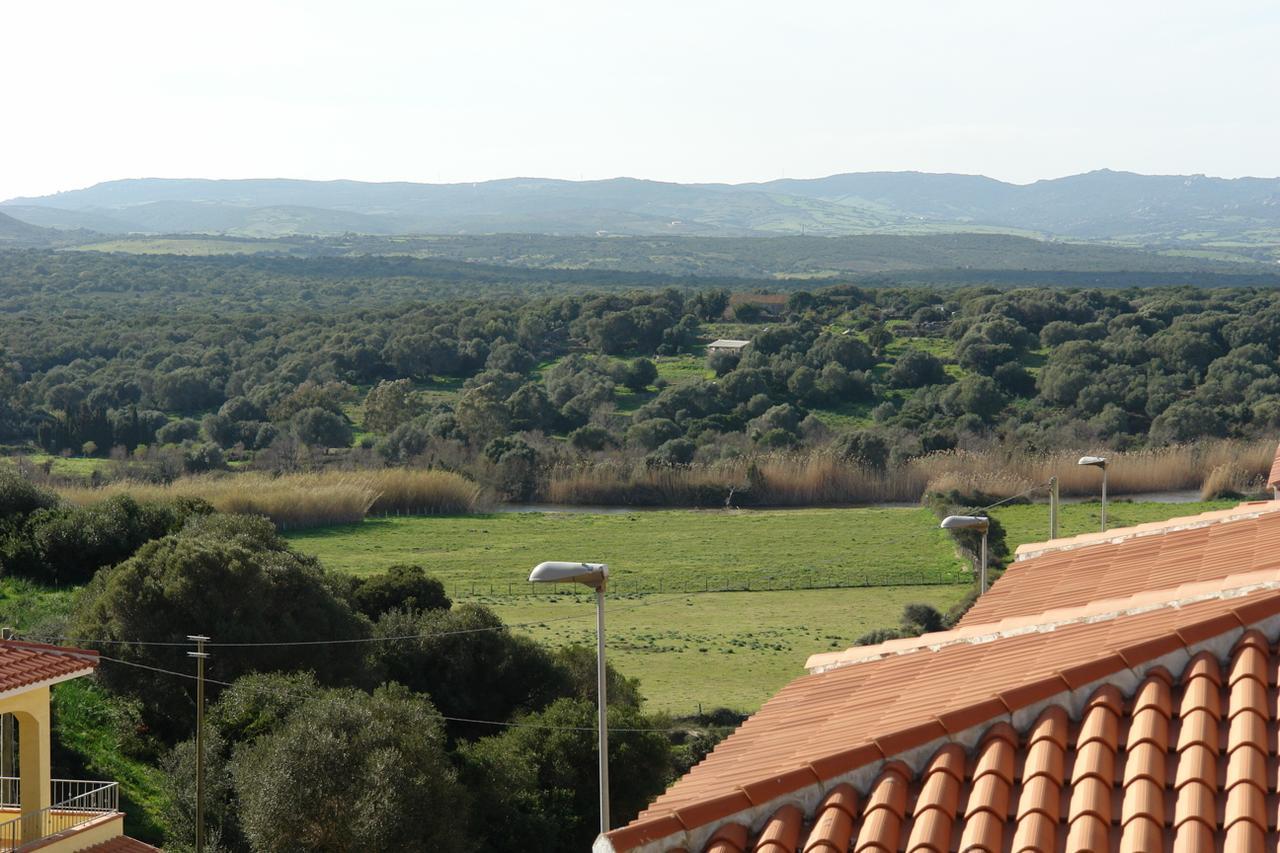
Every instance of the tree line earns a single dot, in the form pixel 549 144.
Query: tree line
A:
pixel 174 367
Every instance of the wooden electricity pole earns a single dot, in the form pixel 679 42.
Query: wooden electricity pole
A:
pixel 199 654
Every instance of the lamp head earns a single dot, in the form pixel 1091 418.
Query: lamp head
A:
pixel 1095 461
pixel 965 522
pixel 588 574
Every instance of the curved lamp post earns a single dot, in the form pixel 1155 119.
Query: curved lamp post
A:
pixel 972 522
pixel 593 575
pixel 1099 462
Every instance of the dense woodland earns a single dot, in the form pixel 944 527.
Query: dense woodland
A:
pixel 177 365
pixel 180 365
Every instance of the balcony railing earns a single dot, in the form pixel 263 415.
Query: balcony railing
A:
pixel 75 803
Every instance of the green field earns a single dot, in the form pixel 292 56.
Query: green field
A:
pixel 66 466
pixel 730 649
pixel 191 246
pixel 1030 522
pixel 688 549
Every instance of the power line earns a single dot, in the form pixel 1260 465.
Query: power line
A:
pixel 1034 488
pixel 655 599
pixel 344 641
pixel 305 698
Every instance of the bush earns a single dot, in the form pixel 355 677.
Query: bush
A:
pixel 916 369
pixel 350 771
pixel 677 451
pixel 651 433
pixel 865 447
pixel 69 544
pixel 540 784
pixel 591 438
pixel 232 579
pixel 178 431
pixel 468 663
pixel 400 587
pixel 321 427
pixel 19 496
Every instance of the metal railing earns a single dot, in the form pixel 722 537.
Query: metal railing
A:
pixel 10 792
pixel 75 803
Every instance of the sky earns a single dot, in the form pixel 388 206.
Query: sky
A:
pixel 691 90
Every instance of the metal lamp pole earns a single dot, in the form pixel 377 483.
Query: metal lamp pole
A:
pixel 973 522
pixel 594 575
pixel 602 708
pixel 1098 462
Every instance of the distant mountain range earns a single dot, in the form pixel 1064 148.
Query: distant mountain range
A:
pixel 14 233
pixel 1234 218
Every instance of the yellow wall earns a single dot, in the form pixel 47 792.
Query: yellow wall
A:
pixel 31 709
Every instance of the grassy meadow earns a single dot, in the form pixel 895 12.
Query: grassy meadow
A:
pixel 731 649
pixel 680 547
pixel 1030 522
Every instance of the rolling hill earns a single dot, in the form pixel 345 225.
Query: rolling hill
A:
pixel 16 233
pixel 1211 217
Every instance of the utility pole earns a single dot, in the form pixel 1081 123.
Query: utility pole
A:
pixel 199 654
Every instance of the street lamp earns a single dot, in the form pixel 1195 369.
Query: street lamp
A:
pixel 1099 462
pixel 972 522
pixel 593 575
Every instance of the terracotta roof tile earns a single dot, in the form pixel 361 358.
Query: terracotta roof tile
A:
pixel 833 828
pixel 24 664
pixel 781 833
pixel 1152 728
pixel 1152 769
pixel 1171 553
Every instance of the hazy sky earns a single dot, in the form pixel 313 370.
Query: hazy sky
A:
pixel 683 91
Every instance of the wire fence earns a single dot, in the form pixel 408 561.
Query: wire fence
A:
pixel 622 587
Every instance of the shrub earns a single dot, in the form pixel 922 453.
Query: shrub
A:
pixel 540 785
pixel 321 427
pixel 178 431
pixel 19 496
pixel 350 771
pixel 677 451
pixel 916 369
pixel 401 587
pixel 591 438
pixel 231 579
pixel 864 447
pixel 69 544
pixel 469 663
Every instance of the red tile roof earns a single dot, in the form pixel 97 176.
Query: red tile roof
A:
pixel 1074 572
pixel 24 665
pixel 1182 763
pixel 1116 695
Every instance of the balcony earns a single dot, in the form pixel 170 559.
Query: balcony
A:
pixel 82 814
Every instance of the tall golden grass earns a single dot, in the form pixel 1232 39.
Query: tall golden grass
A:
pixel 297 501
pixel 817 478
pixel 417 491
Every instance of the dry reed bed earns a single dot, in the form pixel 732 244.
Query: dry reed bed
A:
pixel 295 501
pixel 818 478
